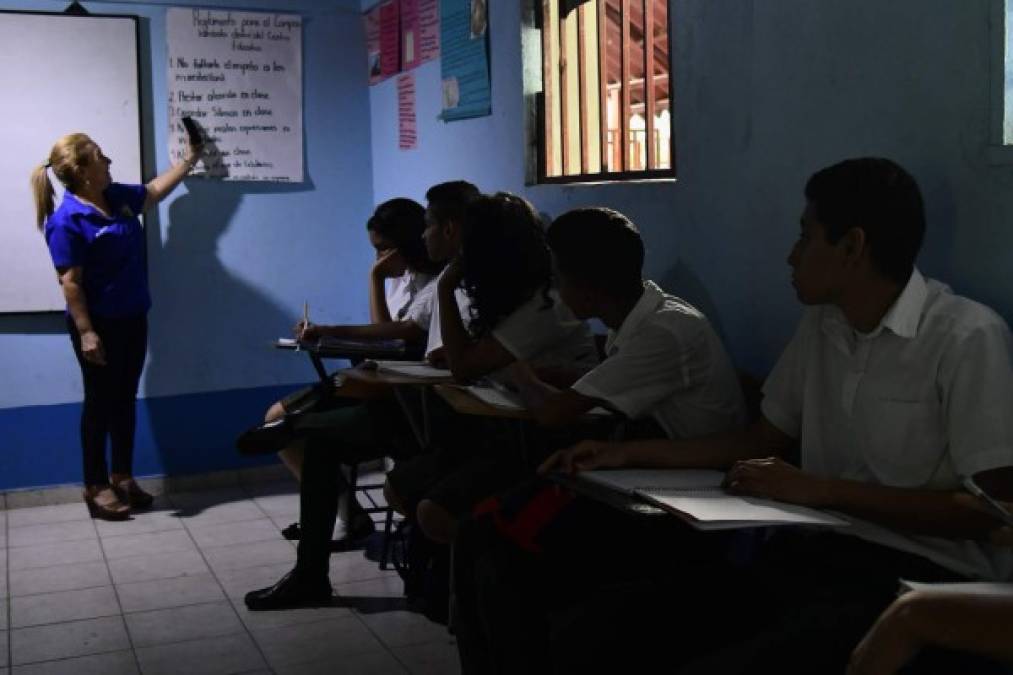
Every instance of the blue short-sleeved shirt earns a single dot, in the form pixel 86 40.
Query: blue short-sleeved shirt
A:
pixel 110 250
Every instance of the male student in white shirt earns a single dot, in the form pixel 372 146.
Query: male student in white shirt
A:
pixel 896 389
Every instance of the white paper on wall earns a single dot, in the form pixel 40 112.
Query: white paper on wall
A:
pixel 239 75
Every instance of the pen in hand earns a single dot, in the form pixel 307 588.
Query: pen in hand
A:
pixel 997 509
pixel 305 319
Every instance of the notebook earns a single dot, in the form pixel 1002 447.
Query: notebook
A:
pixel 992 588
pixel 498 397
pixel 421 370
pixel 338 347
pixel 696 496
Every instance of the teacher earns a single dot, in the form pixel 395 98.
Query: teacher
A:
pixel 98 248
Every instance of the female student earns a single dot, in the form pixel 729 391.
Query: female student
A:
pixel 400 295
pixel 97 246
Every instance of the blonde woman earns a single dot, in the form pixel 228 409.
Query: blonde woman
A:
pixel 97 246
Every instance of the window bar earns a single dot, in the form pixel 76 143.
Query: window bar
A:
pixel 624 50
pixel 549 104
pixel 603 125
pixel 564 97
pixel 585 150
pixel 649 92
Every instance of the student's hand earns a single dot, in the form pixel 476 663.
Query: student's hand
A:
pixel 585 456
pixel 438 357
pixel 889 644
pixel 773 478
pixel 452 275
pixel 92 349
pixel 389 264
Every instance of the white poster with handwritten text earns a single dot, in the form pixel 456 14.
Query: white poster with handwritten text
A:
pixel 239 76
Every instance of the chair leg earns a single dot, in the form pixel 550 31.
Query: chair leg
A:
pixel 388 540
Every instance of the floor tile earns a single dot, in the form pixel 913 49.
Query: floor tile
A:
pixel 154 543
pixel 238 582
pixel 48 555
pixel 159 566
pixel 354 566
pixel 434 658
pixel 141 523
pixel 4 650
pixel 36 610
pixel 59 578
pixel 180 624
pixel 400 628
pixel 228 534
pixel 368 663
pixel 3 614
pixel 381 587
pixel 56 513
pixel 65 640
pixel 212 656
pixel 164 593
pixel 201 499
pixel 50 533
pixel 113 663
pixel 330 640
pixel 258 621
pixel 256 554
pixel 279 504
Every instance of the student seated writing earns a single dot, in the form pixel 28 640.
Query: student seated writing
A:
pixel 349 434
pixel 504 268
pixel 400 294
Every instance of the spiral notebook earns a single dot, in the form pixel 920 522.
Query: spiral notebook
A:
pixel 696 496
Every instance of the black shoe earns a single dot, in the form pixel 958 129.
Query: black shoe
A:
pixel 291 592
pixel 267 438
pixel 355 535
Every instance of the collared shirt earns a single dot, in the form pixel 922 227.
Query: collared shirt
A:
pixel 922 401
pixel 435 338
pixel 665 361
pixel 110 250
pixel 545 332
pixel 410 298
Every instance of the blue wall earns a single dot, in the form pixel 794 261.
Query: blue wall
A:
pixel 230 266
pixel 765 94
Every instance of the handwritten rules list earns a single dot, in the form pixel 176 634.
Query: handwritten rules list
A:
pixel 239 75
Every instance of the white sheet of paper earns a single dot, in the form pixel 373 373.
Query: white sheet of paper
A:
pixel 420 369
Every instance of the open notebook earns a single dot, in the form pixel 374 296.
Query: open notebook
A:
pixel 331 346
pixel 696 496
pixel 421 370
pixel 499 397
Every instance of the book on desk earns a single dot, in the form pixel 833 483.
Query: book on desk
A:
pixel 347 347
pixel 696 496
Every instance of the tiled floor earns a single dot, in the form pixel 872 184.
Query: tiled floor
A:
pixel 162 593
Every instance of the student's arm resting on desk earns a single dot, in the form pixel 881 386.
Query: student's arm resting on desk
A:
pixel 466 358
pixel 551 407
pixel 721 451
pixel 77 305
pixel 970 623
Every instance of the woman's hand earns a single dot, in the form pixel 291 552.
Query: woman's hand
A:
pixel 92 349
pixel 389 264
pixel 773 478
pixel 193 153
pixel 585 456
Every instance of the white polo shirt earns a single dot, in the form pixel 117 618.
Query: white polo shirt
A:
pixel 410 298
pixel 921 402
pixel 435 338
pixel 545 332
pixel 665 361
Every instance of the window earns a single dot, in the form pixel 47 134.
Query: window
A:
pixel 604 108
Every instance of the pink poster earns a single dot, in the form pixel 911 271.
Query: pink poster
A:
pixel 420 32
pixel 390 34
pixel 371 21
pixel 407 128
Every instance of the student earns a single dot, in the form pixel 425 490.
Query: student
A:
pixel 930 626
pixel 505 268
pixel 97 246
pixel 400 298
pixel 346 435
pixel 896 389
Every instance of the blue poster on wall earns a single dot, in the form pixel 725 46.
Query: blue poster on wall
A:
pixel 464 59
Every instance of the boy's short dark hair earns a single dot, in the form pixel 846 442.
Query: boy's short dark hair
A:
pixel 401 221
pixel 878 196
pixel 597 247
pixel 448 201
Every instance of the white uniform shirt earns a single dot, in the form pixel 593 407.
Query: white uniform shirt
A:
pixel 410 298
pixel 547 336
pixel 435 339
pixel 666 361
pixel 921 402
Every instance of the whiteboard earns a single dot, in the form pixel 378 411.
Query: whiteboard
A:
pixel 61 74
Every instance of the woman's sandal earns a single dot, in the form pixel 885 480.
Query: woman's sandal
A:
pixel 130 492
pixel 103 503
